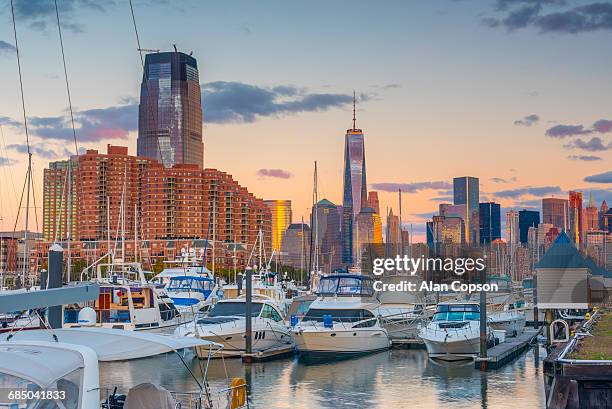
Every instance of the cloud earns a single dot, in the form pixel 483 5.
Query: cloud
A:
pixel 410 187
pixel 5 120
pixel 563 131
pixel 6 47
pixel 42 150
pixel 502 180
pixel 274 173
pixel 595 144
pixel 518 14
pixel 528 191
pixel 7 161
pixel 443 199
pixel 39 13
pixel 603 126
pixel 237 102
pixel 527 120
pixel 605 177
pixel 585 158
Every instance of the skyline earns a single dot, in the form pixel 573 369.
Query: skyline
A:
pixel 438 101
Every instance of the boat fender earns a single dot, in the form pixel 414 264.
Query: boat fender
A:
pixel 238 393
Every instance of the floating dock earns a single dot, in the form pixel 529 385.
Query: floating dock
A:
pixel 268 354
pixel 505 352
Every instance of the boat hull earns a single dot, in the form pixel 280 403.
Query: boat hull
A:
pixel 513 324
pixel 340 342
pixel 453 349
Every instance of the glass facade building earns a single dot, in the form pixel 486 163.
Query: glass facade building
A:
pixel 325 221
pixel 527 219
pixel 355 194
pixel 466 192
pixel 490 222
pixel 555 212
pixel 170 111
pixel 281 219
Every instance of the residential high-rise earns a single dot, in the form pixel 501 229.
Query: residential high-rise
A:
pixel 170 111
pixel 527 219
pixel 575 217
pixel 490 222
pixel 373 201
pixel 326 239
pixel 55 200
pixel 355 195
pixel 591 215
pixel 555 211
pixel 281 219
pixel 466 191
pixel 512 227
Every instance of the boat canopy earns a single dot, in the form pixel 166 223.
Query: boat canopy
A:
pixel 40 362
pixel 179 271
pixel 115 344
pixel 346 285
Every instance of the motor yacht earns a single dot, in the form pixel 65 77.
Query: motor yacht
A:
pixel 343 320
pixel 510 319
pixel 225 323
pixel 454 332
pixel 192 294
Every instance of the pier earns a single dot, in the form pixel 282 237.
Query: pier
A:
pixel 507 351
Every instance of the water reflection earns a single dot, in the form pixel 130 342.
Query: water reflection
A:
pixel 392 379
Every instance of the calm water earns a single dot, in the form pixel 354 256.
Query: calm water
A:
pixel 397 378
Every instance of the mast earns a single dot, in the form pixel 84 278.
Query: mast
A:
pixel 316 218
pixel 400 222
pixel 123 203
pixel 69 218
pixel 214 228
pixel 302 254
pixel 108 229
pixel 354 110
pixel 26 256
pixel 135 233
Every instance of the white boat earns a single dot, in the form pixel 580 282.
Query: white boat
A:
pixel 343 320
pixel 510 320
pixel 454 332
pixel 126 301
pixel 64 372
pixel 225 323
pixel 192 294
pixel 267 284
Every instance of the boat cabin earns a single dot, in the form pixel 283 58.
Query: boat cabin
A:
pixel 457 312
pixel 345 285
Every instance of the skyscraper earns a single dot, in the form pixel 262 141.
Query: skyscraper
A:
pixel 296 246
pixel 355 194
pixel 490 222
pixel 602 212
pixel 325 222
pixel 575 217
pixel 512 227
pixel 373 201
pixel 466 191
pixel 591 216
pixel 368 229
pixel 281 219
pixel 527 219
pixel 394 232
pixel 170 111
pixel 554 211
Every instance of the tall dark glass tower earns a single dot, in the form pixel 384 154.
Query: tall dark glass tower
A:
pixel 527 219
pixel 355 195
pixel 490 222
pixel 466 192
pixel 170 112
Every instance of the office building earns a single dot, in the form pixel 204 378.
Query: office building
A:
pixel 170 111
pixel 591 216
pixel 527 219
pixel 555 212
pixel 490 222
pixel 354 186
pixel 512 227
pixel 373 201
pixel 281 219
pixel 466 192
pixel 575 217
pixel 394 231
pixel 295 250
pixel 326 240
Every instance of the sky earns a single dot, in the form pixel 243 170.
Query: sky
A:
pixel 514 92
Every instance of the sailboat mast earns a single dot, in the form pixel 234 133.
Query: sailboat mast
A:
pixel 316 218
pixel 69 219
pixel 26 256
pixel 401 237
pixel 135 233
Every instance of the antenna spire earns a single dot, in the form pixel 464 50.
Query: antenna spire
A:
pixel 354 110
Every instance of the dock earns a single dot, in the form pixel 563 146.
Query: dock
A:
pixel 267 355
pixel 507 351
pixel 407 343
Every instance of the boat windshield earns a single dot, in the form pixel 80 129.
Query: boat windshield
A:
pixel 228 309
pixel 67 388
pixel 459 312
pixel 190 284
pixel 345 285
pixel 338 315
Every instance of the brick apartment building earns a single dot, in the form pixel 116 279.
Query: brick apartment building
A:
pixel 117 195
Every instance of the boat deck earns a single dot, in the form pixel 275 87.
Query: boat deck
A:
pixel 505 352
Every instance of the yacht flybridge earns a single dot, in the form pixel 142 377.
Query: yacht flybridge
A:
pixel 343 320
